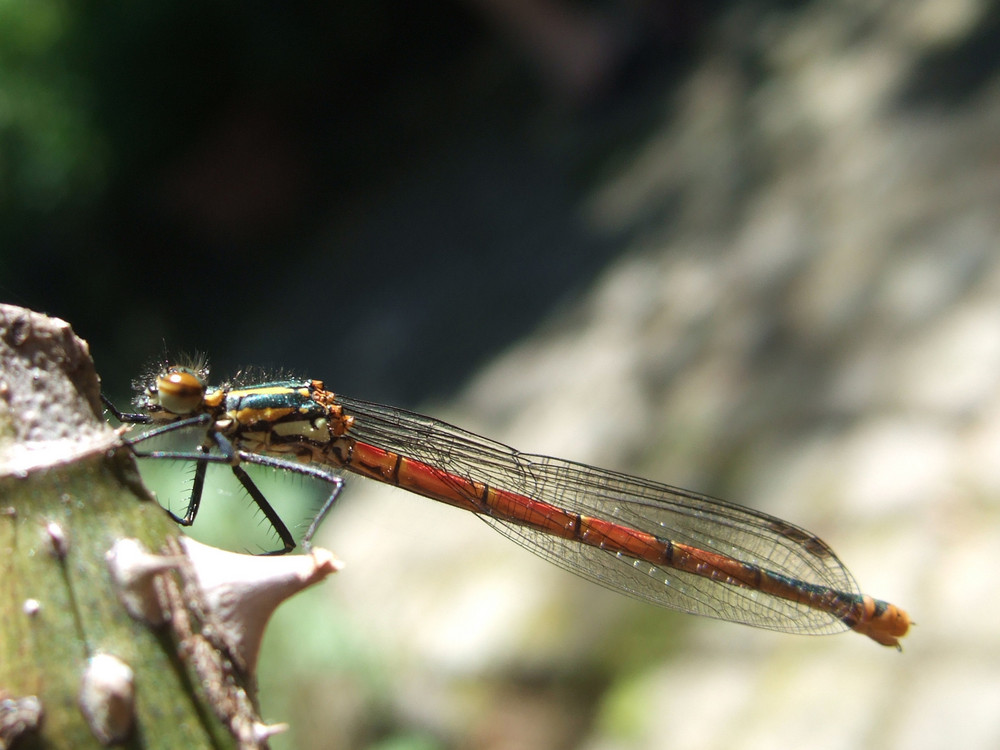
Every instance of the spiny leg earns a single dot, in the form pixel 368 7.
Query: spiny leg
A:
pixel 227 455
pixel 230 456
pixel 336 482
pixel 194 502
pixel 265 507
pixel 202 459
pixel 125 417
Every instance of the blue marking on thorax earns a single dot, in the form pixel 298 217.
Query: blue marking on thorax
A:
pixel 288 394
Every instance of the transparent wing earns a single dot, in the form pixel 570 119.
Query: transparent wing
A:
pixel 661 510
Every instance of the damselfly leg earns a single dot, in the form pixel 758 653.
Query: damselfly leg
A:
pixel 228 454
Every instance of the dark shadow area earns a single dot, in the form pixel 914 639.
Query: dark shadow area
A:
pixel 383 192
pixel 951 75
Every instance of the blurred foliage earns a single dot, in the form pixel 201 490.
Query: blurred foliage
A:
pixel 53 154
pixel 146 146
pixel 181 176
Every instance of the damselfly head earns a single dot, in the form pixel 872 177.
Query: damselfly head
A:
pixel 174 392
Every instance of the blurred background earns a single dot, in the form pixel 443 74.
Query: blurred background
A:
pixel 749 248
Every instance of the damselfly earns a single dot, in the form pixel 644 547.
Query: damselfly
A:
pixel 666 545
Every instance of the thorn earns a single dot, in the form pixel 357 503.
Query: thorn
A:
pixel 133 569
pixel 263 732
pixel 244 590
pixel 107 698
pixel 18 717
pixel 58 542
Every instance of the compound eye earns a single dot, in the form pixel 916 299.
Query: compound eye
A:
pixel 180 391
